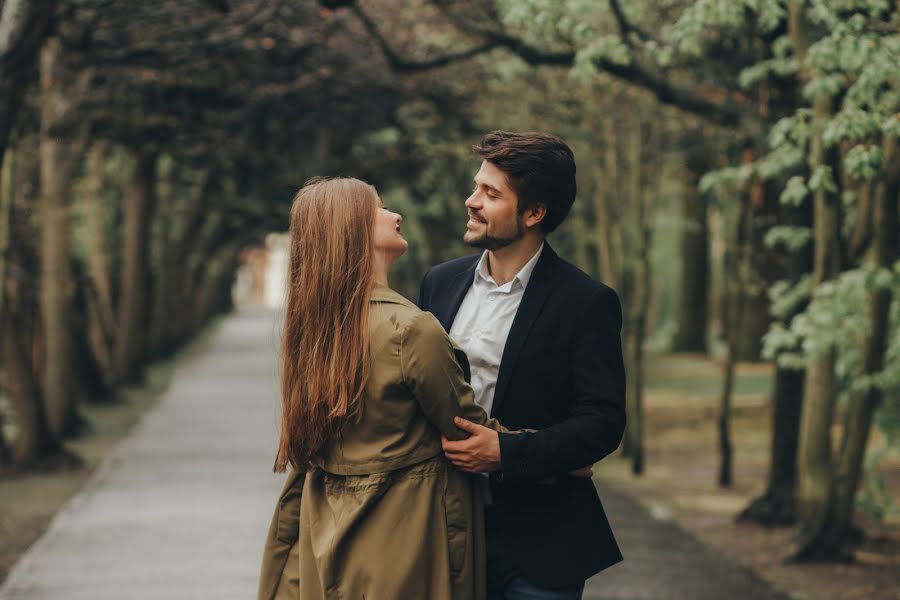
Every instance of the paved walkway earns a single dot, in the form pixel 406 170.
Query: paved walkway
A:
pixel 180 509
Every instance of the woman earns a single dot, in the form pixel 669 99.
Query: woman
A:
pixel 369 382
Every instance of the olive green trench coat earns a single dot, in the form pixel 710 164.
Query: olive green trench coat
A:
pixel 385 515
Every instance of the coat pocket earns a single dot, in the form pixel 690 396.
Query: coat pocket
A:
pixel 455 496
pixel 287 513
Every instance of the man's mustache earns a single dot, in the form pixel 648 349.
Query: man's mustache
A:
pixel 477 217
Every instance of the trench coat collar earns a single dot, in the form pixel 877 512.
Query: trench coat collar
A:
pixel 384 294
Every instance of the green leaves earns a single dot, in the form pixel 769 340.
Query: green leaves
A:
pixel 793 238
pixel 837 317
pixel 851 124
pixel 822 180
pixel 794 192
pixel 863 162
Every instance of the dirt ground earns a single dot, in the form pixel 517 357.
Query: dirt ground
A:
pixel 28 502
pixel 680 482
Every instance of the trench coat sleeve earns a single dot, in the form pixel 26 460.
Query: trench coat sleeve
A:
pixel 430 369
pixel 280 572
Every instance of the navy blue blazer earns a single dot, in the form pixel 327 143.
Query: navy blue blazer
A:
pixel 562 374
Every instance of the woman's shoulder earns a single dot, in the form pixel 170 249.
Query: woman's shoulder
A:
pixel 402 312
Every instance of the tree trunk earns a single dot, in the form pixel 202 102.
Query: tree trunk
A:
pixel 760 271
pixel 640 294
pixel 34 438
pixel 776 506
pixel 23 26
pixel 215 289
pixel 101 320
pixel 830 537
pixel 820 385
pixel 215 245
pixel 6 200
pixel 754 324
pixel 607 236
pixel 131 343
pixel 58 159
pixel 737 259
pixel 162 278
pixel 693 293
pixel 188 243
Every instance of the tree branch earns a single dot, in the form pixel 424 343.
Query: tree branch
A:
pixel 625 26
pixel 728 112
pixel 406 66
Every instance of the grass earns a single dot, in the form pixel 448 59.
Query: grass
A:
pixel 680 481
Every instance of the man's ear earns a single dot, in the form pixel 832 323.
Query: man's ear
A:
pixel 535 214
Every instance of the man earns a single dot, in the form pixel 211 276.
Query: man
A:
pixel 543 342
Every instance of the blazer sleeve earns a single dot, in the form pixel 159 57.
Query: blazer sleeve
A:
pixel 429 368
pixel 595 426
pixel 279 577
pixel 423 291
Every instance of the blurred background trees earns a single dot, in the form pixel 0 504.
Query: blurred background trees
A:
pixel 739 181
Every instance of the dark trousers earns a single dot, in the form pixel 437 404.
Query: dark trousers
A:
pixel 505 580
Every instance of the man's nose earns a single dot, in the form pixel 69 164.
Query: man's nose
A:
pixel 472 201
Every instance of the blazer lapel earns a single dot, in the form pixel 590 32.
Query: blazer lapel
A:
pixel 457 289
pixel 539 287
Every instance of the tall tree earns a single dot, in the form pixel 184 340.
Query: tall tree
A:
pixel 24 24
pixel 131 341
pixel 693 293
pixel 59 157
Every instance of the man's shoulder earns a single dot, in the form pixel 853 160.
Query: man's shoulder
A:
pixel 452 267
pixel 579 283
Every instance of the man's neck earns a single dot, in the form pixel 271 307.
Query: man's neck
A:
pixel 505 263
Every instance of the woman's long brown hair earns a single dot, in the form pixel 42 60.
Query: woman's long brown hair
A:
pixel 325 359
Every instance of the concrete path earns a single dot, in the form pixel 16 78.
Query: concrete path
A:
pixel 180 510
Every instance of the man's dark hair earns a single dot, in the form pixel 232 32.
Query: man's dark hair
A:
pixel 540 168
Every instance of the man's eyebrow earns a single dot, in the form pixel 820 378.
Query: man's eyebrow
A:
pixel 487 185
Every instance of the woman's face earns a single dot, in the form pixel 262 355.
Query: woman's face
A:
pixel 388 238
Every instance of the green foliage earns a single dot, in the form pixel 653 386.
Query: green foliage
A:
pixel 864 162
pixel 794 193
pixel 850 63
pixel 785 299
pixel 838 318
pixel 792 238
pixel 873 496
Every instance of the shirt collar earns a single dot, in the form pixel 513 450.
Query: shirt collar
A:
pixel 521 278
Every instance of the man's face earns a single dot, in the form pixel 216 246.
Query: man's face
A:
pixel 494 219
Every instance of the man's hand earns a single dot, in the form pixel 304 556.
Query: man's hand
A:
pixel 480 453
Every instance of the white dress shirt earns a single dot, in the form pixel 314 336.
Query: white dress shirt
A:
pixel 481 327
pixel 483 322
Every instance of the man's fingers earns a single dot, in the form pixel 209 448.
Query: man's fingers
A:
pixel 457 456
pixel 453 447
pixel 464 466
pixel 466 426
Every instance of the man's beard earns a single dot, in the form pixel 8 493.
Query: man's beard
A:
pixel 490 242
